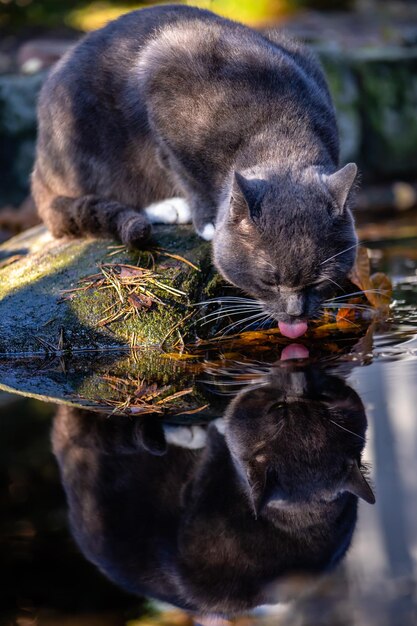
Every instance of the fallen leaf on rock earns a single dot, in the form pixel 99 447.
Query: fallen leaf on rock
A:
pixel 140 301
pixel 127 271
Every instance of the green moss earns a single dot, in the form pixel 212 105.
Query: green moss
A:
pixel 214 286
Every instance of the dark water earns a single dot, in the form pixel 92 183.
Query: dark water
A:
pixel 250 519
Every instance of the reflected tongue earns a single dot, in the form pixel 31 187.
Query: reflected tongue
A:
pixel 293 330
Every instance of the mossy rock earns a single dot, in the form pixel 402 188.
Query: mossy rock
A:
pixel 38 313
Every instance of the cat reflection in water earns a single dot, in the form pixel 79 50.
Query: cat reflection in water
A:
pixel 212 524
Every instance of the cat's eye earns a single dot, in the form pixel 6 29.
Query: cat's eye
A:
pixel 268 282
pixel 275 406
pixel 269 278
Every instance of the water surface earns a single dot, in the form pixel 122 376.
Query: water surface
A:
pixel 244 515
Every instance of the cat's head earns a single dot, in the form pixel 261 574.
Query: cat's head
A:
pixel 297 441
pixel 288 240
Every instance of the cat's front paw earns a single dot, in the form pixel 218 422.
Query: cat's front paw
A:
pixel 170 211
pixel 207 232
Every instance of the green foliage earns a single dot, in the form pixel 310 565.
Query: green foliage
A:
pixel 55 13
pixel 49 13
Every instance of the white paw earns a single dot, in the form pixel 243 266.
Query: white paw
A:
pixel 183 211
pixel 208 232
pixel 170 211
pixel 191 437
pixel 220 424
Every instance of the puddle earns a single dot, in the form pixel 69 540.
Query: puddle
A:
pixel 251 510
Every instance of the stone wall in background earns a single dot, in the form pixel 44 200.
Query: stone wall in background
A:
pixel 18 95
pixel 375 93
pixel 374 88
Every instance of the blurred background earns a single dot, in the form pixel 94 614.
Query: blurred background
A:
pixel 368 48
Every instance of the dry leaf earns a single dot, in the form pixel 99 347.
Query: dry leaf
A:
pixel 382 284
pixel 377 288
pixel 140 301
pixel 130 272
pixel 360 273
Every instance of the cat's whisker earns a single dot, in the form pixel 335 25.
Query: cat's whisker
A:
pixel 345 305
pixel 248 325
pixel 241 368
pixel 221 314
pixel 351 323
pixel 334 283
pixel 251 319
pixel 218 315
pixel 236 383
pixel 265 322
pixel 230 299
pixel 346 429
pixel 355 245
pixel 232 327
pixel 354 293
pixel 224 310
pixel 240 321
pixel 233 392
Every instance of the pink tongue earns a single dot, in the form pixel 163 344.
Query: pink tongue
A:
pixel 292 330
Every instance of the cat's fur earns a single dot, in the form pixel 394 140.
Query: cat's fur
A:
pixel 216 529
pixel 176 101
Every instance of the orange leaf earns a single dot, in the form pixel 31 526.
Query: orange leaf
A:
pixel 345 314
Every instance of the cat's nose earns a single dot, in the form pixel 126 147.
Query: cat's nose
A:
pixel 295 304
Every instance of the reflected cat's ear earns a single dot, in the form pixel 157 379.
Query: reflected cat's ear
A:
pixel 252 192
pixel 256 477
pixel 151 436
pixel 357 485
pixel 340 183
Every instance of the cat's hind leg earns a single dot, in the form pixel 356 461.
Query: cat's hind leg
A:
pixel 89 215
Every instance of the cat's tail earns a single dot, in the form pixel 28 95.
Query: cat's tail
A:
pixel 90 215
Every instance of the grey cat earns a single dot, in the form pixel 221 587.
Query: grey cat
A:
pixel 176 101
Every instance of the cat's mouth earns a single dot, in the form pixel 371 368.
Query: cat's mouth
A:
pixel 293 329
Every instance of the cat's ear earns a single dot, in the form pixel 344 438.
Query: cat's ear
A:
pixel 247 194
pixel 357 485
pixel 340 183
